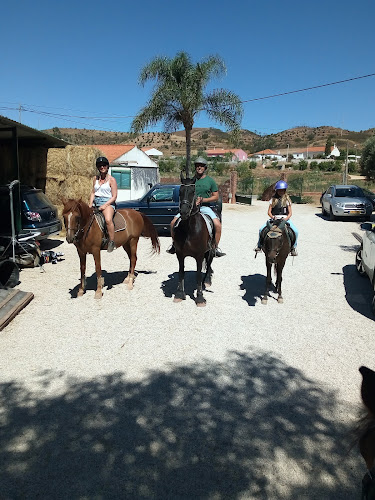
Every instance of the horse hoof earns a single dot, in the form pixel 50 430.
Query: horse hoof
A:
pixel 130 285
pixel 201 304
pixel 207 284
pixel 177 300
pixel 280 300
pixel 264 302
pixel 80 293
pixel 126 280
pixel 98 295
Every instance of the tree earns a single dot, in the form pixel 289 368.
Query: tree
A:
pixel 368 158
pixel 328 148
pixel 179 96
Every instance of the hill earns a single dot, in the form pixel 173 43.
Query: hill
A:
pixel 207 138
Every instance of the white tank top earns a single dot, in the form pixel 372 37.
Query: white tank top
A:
pixel 103 190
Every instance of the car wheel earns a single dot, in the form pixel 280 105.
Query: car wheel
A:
pixel 359 264
pixel 324 213
pixel 331 216
pixel 373 305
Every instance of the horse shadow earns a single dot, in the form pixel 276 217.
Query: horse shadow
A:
pixel 254 286
pixel 169 286
pixel 48 244
pixel 210 429
pixel 110 280
pixel 358 291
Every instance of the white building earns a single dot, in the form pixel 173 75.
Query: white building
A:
pixel 135 172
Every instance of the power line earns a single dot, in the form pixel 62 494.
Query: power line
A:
pixel 308 88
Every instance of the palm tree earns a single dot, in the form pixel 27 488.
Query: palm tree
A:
pixel 179 95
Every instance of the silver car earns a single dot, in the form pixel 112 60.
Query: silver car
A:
pixel 365 257
pixel 345 201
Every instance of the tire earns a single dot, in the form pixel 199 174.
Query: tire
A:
pixel 358 263
pixel 331 216
pixel 373 305
pixel 324 213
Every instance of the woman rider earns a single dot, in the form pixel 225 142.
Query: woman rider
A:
pixel 103 196
pixel 280 207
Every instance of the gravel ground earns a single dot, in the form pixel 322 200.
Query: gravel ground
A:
pixel 135 396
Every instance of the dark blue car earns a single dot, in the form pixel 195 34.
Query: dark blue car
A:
pixel 160 204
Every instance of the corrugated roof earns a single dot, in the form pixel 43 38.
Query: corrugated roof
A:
pixel 113 151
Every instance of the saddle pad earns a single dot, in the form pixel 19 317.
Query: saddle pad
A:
pixel 118 221
pixel 207 220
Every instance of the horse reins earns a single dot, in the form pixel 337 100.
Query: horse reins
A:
pixel 79 230
pixel 188 203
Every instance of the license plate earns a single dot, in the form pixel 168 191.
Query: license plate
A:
pixel 354 211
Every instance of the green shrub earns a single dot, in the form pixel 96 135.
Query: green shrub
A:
pixel 314 165
pixel 352 167
pixel 302 165
pixel 252 164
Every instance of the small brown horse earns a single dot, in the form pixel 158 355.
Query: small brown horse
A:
pixel 276 246
pixel 366 432
pixel 192 238
pixel 83 230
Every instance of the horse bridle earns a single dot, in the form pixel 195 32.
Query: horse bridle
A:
pixel 189 204
pixel 79 229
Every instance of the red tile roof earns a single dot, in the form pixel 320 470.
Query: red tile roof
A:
pixel 113 151
pixel 265 152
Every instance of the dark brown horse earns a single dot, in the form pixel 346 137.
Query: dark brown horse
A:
pixel 366 432
pixel 276 246
pixel 83 230
pixel 191 238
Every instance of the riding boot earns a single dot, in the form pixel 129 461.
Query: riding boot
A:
pixel 171 249
pixel 111 246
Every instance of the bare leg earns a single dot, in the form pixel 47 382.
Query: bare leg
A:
pixel 108 213
pixel 99 279
pixel 217 225
pixel 82 287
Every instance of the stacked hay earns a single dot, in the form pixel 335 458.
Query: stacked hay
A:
pixel 70 172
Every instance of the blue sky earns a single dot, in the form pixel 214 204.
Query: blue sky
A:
pixel 79 58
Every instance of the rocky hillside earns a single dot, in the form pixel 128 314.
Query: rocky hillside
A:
pixel 206 138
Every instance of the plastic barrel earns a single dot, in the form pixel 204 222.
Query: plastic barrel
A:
pixel 9 274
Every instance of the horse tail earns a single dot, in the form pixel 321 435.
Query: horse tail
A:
pixel 149 231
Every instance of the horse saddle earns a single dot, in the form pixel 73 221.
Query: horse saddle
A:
pixel 118 221
pixel 275 230
pixel 207 219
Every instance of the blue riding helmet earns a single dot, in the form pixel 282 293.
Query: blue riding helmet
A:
pixel 281 185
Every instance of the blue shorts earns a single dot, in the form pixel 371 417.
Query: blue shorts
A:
pixel 205 210
pixel 100 200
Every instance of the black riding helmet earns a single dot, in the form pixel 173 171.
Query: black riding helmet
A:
pixel 102 160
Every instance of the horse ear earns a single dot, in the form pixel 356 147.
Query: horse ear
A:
pixel 63 200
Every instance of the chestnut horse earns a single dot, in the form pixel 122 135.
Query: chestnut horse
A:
pixel 83 230
pixel 366 432
pixel 276 246
pixel 192 238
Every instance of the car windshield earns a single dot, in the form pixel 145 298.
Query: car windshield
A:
pixel 349 192
pixel 35 200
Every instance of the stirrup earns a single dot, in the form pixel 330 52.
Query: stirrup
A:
pixel 294 252
pixel 257 249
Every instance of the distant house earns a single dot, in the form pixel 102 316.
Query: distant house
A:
pixel 266 153
pixel 237 154
pixel 134 171
pixel 152 152
pixel 313 152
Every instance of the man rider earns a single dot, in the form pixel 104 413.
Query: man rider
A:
pixel 207 192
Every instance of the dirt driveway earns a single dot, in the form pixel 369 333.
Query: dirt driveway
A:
pixel 135 397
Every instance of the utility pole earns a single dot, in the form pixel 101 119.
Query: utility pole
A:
pixel 346 165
